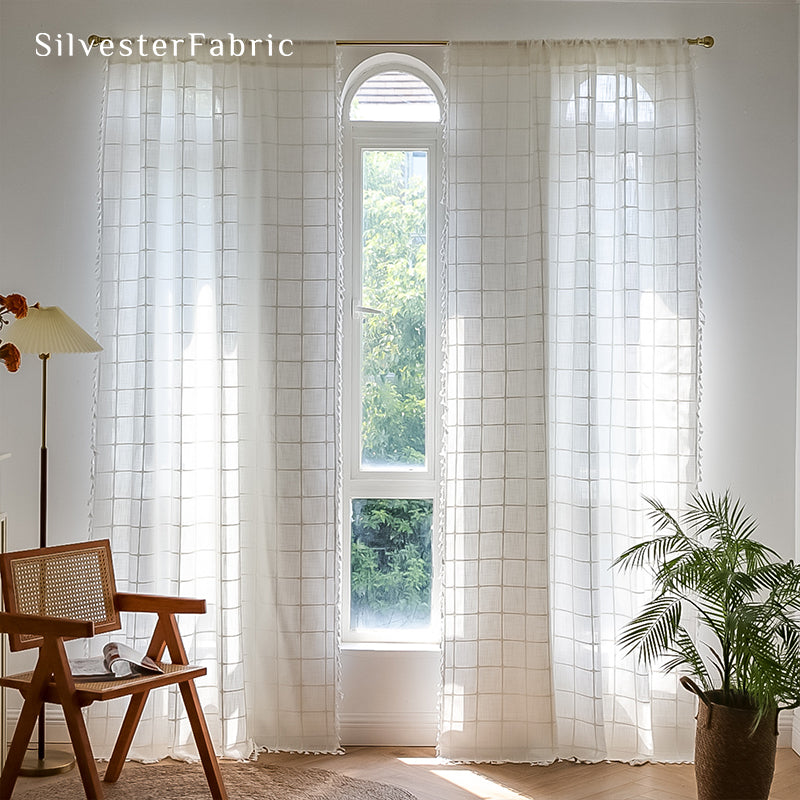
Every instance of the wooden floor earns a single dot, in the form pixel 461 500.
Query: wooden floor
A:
pixel 419 771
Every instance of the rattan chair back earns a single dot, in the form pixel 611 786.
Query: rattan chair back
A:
pixel 59 593
pixel 75 581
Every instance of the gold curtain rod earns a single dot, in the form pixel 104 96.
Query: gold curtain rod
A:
pixel 94 41
pixel 389 42
pixel 703 41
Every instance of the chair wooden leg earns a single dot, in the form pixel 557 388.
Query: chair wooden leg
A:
pixel 29 714
pixel 83 751
pixel 54 652
pixel 203 740
pixel 134 713
pixel 125 737
pixel 168 628
pixel 19 743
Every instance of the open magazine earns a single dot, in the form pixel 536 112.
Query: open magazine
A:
pixel 118 661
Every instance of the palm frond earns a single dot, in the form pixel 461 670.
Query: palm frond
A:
pixel 653 550
pixel 661 517
pixel 687 571
pixel 772 577
pixel 784 584
pixel 654 630
pixel 755 555
pixel 720 515
pixel 685 654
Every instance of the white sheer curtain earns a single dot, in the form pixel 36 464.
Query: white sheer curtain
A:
pixel 572 390
pixel 215 463
pixel 496 691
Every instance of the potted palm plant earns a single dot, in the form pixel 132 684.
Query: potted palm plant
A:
pixel 725 613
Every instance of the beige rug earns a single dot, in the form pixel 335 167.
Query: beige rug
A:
pixel 178 781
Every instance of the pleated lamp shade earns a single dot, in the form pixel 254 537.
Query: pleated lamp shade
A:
pixel 48 329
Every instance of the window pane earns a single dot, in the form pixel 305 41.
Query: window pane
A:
pixel 390 564
pixel 393 278
pixel 395 96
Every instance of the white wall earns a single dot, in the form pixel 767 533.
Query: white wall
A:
pixel 747 88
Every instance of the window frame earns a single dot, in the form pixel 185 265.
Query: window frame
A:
pixel 389 482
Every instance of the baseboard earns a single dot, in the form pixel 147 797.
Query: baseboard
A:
pixel 785 723
pixel 420 730
pixel 55 726
pixel 386 730
pixel 379 729
pixel 413 729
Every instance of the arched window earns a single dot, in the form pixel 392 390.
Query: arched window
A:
pixel 391 192
pixel 609 100
pixel 394 96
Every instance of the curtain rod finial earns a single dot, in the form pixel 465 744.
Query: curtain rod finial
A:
pixel 703 41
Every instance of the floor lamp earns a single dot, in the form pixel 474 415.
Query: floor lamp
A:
pixel 47 330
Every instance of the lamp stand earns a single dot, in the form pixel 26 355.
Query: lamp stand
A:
pixel 44 763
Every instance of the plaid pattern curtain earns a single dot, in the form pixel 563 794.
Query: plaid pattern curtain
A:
pixel 215 463
pixel 572 390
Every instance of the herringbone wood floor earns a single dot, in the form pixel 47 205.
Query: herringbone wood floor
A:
pixel 417 770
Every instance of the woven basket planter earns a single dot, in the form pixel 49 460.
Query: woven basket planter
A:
pixel 731 761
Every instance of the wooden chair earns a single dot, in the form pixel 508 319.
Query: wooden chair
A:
pixel 58 593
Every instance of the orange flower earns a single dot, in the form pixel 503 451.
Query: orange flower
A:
pixel 9 355
pixel 16 304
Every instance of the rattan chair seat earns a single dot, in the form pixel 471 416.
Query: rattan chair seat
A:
pixel 89 692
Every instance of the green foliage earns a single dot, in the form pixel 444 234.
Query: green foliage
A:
pixel 394 269
pixel 391 557
pixel 746 601
pixel 390 563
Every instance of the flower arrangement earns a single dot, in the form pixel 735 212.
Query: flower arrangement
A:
pixel 17 306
